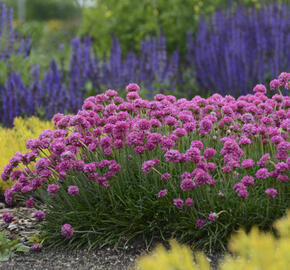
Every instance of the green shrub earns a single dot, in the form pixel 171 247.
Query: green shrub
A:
pixel 130 20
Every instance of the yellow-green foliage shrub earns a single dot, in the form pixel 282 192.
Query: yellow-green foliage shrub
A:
pixel 179 257
pixel 13 140
pixel 256 250
pixel 259 250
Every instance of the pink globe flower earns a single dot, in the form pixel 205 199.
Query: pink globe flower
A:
pixel 132 96
pixel 147 166
pixel 189 202
pixel 243 193
pixel 283 177
pixel 73 190
pixel 209 153
pixel 260 88
pixel 165 176
pixel 283 78
pixel 39 215
pixel 35 247
pixel 197 144
pixel 132 87
pixel 143 124
pixel 262 174
pixel 178 202
pixel 205 126
pixel 111 93
pixel 162 193
pixel 274 84
pixel 200 222
pixel 180 132
pixel 271 192
pixel 247 163
pixel 248 180
pixel 212 216
pixel 67 231
pixel 7 217
pixel 187 184
pixel 172 156
pixel 264 160
pixel 53 189
pixel 29 203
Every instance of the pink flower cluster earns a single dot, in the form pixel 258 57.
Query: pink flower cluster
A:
pixel 7 217
pixel 166 134
pixel 283 80
pixel 271 192
pixel 67 231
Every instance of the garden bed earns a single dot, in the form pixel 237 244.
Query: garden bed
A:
pixel 106 258
pixel 128 173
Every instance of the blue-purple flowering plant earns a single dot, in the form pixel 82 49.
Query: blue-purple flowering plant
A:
pixel 61 90
pixel 237 48
pixel 10 41
pixel 229 52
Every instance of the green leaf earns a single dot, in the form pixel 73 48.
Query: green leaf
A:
pixel 5 255
pixel 11 243
pixel 21 248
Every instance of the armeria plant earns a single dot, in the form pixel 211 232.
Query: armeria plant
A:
pixel 193 169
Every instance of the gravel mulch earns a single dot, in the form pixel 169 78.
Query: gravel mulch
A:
pixel 57 259
pixel 102 259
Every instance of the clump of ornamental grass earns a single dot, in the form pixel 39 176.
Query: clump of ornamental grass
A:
pixel 195 170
